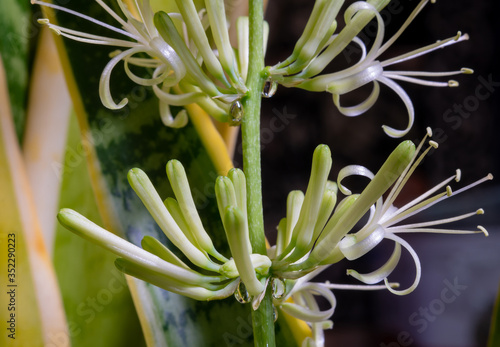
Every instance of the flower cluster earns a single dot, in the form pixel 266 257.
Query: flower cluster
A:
pixel 179 220
pixel 176 47
pixel 317 232
pixel 318 46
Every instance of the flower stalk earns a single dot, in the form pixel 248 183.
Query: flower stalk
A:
pixel 263 317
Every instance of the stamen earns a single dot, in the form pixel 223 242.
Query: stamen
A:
pixel 400 183
pixel 427 49
pixel 488 177
pixel 415 226
pixel 410 18
pixel 416 80
pixel 90 19
pixel 483 230
pixel 358 286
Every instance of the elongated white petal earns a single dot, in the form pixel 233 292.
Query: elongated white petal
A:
pixel 237 235
pixel 180 185
pixel 362 107
pixel 304 312
pixel 409 107
pixel 92 232
pixel 427 49
pixel 352 170
pixel 353 249
pixel 147 193
pixel 104 90
pixel 194 292
pixel 418 267
pixel 90 19
pixel 382 272
pixel 178 121
pixel 157 248
pixel 303 231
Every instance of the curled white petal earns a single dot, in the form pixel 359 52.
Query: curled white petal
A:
pixel 409 107
pixel 304 312
pixel 352 170
pixel 362 107
pixel 353 249
pixel 382 272
pixel 104 90
pixel 418 267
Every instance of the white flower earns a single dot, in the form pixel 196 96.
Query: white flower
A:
pixel 318 47
pixel 178 60
pixel 311 237
pixel 386 221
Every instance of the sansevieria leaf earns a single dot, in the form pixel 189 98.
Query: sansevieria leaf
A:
pixel 135 137
pixel 16 29
pixel 32 312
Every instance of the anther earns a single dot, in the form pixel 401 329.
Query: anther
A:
pixel 481 228
pixel 433 144
pixel 449 191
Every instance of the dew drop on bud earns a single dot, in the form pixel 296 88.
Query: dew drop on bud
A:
pixel 278 286
pixel 269 88
pixel 241 294
pixel 235 113
pixel 275 313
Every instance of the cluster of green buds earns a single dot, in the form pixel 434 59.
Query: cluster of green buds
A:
pixel 186 68
pixel 318 231
pixel 179 220
pixel 319 45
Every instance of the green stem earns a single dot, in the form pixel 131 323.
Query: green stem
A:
pixel 263 317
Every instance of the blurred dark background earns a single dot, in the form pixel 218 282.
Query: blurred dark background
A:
pixel 467 138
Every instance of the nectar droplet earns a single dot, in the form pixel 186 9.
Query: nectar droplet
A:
pixel 269 88
pixel 236 113
pixel 275 313
pixel 241 294
pixel 278 286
